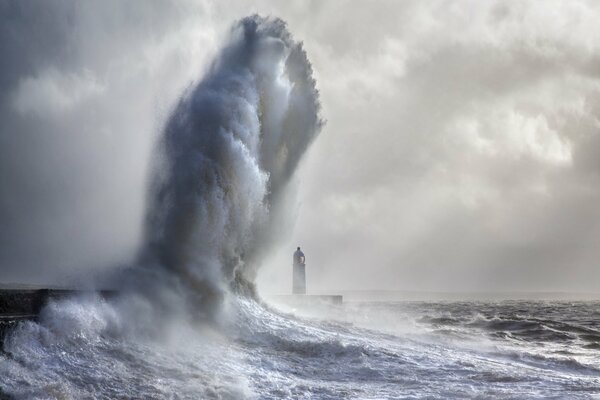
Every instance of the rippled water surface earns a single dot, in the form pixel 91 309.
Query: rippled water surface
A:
pixel 403 350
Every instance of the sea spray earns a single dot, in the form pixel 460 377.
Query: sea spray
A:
pixel 223 167
pixel 226 156
pixel 219 179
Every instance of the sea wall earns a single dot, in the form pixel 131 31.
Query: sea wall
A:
pixel 18 304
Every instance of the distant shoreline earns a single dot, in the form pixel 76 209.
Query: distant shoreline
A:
pixel 405 295
pixel 378 295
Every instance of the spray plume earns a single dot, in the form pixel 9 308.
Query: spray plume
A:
pixel 226 156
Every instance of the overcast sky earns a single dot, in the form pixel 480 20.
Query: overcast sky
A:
pixel 461 151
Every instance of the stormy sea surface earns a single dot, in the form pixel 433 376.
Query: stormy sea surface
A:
pixel 363 350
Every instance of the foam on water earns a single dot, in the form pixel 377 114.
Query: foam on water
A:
pixel 260 352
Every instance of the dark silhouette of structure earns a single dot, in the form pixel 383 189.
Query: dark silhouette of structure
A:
pixel 299 273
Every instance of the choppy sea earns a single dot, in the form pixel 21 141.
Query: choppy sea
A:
pixel 86 349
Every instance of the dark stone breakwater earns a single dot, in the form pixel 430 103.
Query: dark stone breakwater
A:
pixel 19 304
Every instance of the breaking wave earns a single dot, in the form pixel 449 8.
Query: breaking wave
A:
pixel 225 159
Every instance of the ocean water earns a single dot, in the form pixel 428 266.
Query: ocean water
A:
pixel 87 349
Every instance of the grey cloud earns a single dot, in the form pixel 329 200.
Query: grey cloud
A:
pixel 461 149
pixel 466 210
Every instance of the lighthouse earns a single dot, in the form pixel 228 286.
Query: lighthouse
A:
pixel 299 273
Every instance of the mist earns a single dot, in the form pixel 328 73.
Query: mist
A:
pixel 460 151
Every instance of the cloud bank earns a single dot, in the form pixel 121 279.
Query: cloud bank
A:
pixel 461 151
